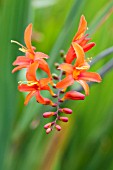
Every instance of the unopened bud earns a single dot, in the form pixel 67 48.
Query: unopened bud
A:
pixel 48 125
pixel 54 105
pixel 48 130
pixel 62 53
pixel 67 110
pixel 58 127
pixel 63 119
pixel 55 95
pixel 56 65
pixel 48 114
pixel 60 100
pixel 54 86
pixel 55 76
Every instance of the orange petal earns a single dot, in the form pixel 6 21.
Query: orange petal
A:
pixel 68 81
pixel 81 29
pixel 29 96
pixel 41 55
pixel 90 76
pixel 31 72
pixel 79 53
pixel 71 55
pixel 27 37
pixel 44 66
pixel 73 95
pixel 22 60
pixel 44 82
pixel 68 68
pixel 85 86
pixel 19 68
pixel 39 98
pixel 88 46
pixel 26 88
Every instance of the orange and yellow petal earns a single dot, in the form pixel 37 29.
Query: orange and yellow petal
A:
pixel 26 88
pixel 81 29
pixel 31 72
pixel 90 76
pixel 27 38
pixel 85 86
pixel 68 68
pixel 44 66
pixel 22 60
pixel 68 81
pixel 79 53
pixel 40 55
pixel 19 68
pixel 71 55
pixel 29 96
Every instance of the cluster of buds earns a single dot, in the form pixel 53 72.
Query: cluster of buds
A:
pixel 77 72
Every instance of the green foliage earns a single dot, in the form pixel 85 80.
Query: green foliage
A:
pixel 86 141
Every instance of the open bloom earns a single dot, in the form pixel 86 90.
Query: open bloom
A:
pixel 30 55
pixel 78 72
pixel 34 86
pixel 80 39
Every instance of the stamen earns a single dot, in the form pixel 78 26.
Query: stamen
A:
pixel 82 68
pixel 29 83
pixel 89 59
pixel 23 49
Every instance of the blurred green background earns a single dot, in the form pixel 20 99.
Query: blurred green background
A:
pixel 86 141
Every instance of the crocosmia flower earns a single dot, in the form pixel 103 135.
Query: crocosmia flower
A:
pixel 30 55
pixel 78 71
pixel 34 86
pixel 80 39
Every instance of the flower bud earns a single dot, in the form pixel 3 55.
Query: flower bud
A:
pixel 62 53
pixel 55 76
pixel 48 125
pixel 54 105
pixel 58 127
pixel 66 110
pixel 48 130
pixel 56 65
pixel 73 95
pixel 54 86
pixel 63 119
pixel 48 114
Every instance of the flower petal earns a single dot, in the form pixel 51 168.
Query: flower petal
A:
pixel 79 53
pixel 85 86
pixel 71 55
pixel 44 82
pixel 26 88
pixel 44 66
pixel 29 96
pixel 39 98
pixel 73 95
pixel 90 76
pixel 39 55
pixel 22 60
pixel 81 29
pixel 31 72
pixel 27 37
pixel 19 68
pixel 68 68
pixel 68 81
pixel 88 46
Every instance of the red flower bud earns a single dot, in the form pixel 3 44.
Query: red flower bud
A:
pixel 63 119
pixel 67 110
pixel 55 76
pixel 73 95
pixel 48 114
pixel 48 125
pixel 48 130
pixel 58 127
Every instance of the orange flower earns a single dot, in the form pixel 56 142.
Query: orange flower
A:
pixel 78 72
pixel 80 39
pixel 34 86
pixel 30 55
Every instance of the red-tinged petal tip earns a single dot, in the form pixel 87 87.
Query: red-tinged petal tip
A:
pixel 90 76
pixel 67 110
pixel 73 95
pixel 88 46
